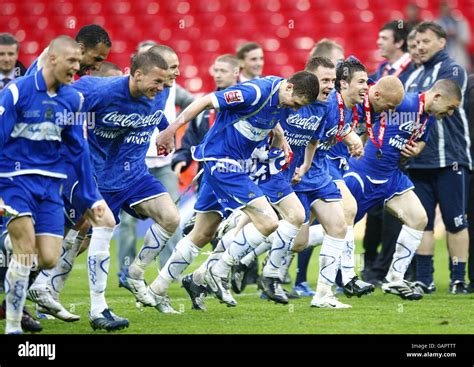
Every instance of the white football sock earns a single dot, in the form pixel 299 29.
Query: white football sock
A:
pixel 248 237
pixel 222 245
pixel 290 255
pixel 16 284
pixel 183 254
pixel 256 252
pixel 98 261
pixel 329 261
pixel 154 242
pixel 282 242
pixel 59 274
pixel 348 254
pixel 316 235
pixel 407 244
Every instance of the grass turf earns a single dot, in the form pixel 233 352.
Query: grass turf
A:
pixel 439 313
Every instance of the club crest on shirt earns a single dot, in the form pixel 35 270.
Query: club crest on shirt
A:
pixel 49 114
pixel 233 96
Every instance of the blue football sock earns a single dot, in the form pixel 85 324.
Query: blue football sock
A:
pixel 303 262
pixel 458 271
pixel 424 268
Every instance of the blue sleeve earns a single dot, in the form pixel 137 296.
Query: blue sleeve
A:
pixel 163 123
pixel 332 117
pixel 33 68
pixel 319 133
pixel 236 97
pixel 78 154
pixel 89 86
pixel 8 115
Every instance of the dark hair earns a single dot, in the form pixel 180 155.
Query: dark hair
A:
pixel 245 48
pixel 306 85
pixel 146 61
pixel 400 29
pixel 434 27
pixel 91 35
pixel 315 62
pixel 345 70
pixel 7 39
pixel 324 48
pixel 449 87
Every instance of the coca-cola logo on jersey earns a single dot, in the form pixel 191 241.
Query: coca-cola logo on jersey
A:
pixel 310 123
pixel 134 120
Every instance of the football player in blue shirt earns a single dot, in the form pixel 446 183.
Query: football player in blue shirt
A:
pixel 317 111
pixel 40 115
pixel 376 179
pixel 385 94
pixel 317 190
pixel 247 114
pixel 95 45
pixel 127 110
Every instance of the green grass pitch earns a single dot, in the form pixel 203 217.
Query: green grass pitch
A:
pixel 440 313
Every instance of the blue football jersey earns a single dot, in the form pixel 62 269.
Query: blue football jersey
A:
pixel 121 128
pixel 318 175
pixel 401 124
pixel 247 114
pixel 300 128
pixel 37 126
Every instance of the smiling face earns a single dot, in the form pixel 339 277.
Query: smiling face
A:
pixel 252 65
pixel 356 89
pixel 66 64
pixel 326 78
pixel 93 57
pixel 151 83
pixel 386 43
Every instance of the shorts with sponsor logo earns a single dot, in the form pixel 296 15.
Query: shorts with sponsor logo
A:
pixel 328 192
pixel 225 189
pixel 36 196
pixel 448 187
pixel 276 188
pixel 370 192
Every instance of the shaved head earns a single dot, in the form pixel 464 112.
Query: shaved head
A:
pixel 60 43
pixel 449 88
pixel 443 98
pixel 63 62
pixel 387 93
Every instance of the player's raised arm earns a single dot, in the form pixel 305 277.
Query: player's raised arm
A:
pixel 165 140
